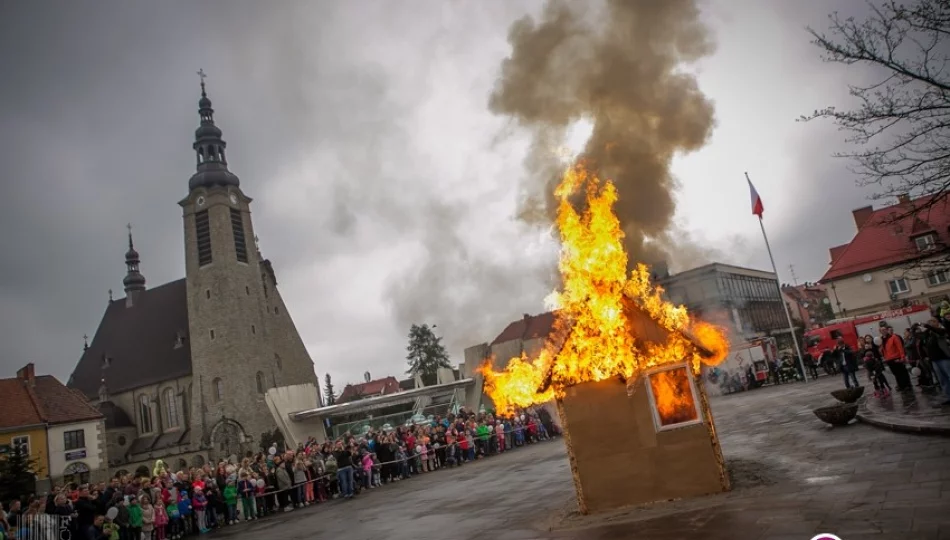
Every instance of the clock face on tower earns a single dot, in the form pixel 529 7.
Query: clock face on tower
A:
pixel 234 198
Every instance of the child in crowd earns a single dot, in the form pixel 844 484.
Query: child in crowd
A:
pixel 875 369
pixel 175 526
pixel 260 499
pixel 230 499
pixel 366 461
pixel 246 489
pixel 135 519
pixel 161 519
pixel 148 518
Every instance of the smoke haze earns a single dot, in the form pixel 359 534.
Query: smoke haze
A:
pixel 618 67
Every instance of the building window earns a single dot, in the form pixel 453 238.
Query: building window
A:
pixel 21 444
pixel 203 232
pixel 77 473
pixel 926 242
pixel 673 398
pixel 218 389
pixel 208 294
pixel 145 415
pixel 898 286
pixel 276 311
pixel 261 383
pixel 277 361
pixel 73 440
pixel 211 333
pixel 247 290
pixel 171 408
pixel 253 329
pixel 121 440
pixel 237 229
pixel 938 277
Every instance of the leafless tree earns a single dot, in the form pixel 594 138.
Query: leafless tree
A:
pixel 900 124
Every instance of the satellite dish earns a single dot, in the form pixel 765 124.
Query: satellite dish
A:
pixel 366 377
pixel 867 278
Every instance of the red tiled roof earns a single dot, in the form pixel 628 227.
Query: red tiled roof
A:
pixel 61 405
pixel 48 401
pixel 528 327
pixel 837 251
pixel 378 387
pixel 18 407
pixel 882 242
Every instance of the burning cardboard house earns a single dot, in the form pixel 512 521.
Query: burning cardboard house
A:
pixel 622 365
pixel 642 440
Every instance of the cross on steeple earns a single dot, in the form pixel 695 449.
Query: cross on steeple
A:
pixel 202 75
pixel 85 342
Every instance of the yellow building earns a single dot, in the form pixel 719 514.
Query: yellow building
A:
pixel 37 409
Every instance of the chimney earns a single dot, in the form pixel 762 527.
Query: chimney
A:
pixel 26 374
pixel 903 198
pixel 526 317
pixel 861 215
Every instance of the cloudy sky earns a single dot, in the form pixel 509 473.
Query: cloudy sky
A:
pixel 385 189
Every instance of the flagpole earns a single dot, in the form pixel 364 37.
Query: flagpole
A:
pixel 788 315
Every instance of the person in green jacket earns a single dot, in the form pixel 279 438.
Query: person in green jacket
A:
pixel 483 432
pixel 230 499
pixel 135 518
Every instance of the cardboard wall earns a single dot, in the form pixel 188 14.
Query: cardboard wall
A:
pixel 618 458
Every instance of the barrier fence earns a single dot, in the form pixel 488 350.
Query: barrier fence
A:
pixel 42 527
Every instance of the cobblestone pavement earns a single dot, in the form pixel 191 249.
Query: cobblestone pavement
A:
pixel 793 477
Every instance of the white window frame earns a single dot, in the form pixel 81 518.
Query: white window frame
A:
pixel 892 282
pixel 170 402
pixel 936 282
pixel 657 421
pixel 928 244
pixel 23 440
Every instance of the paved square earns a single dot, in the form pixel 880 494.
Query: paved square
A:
pixel 793 477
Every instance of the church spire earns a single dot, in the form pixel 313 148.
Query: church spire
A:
pixel 134 281
pixel 209 148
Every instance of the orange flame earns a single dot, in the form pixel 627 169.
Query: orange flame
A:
pixel 592 340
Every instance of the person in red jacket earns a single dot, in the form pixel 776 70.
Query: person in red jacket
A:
pixel 892 349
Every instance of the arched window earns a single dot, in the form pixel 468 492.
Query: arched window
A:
pixel 145 415
pixel 261 383
pixel 171 408
pixel 218 389
pixel 277 359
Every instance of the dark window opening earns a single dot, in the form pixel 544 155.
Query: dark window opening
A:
pixel 203 231
pixel 208 293
pixel 237 228
pixel 212 334
pixel 247 290
pixel 835 334
pixel 253 329
pixel 276 311
pixel 74 439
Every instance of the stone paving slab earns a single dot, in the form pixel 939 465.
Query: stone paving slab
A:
pixel 915 411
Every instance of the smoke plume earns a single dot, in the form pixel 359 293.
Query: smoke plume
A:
pixel 617 67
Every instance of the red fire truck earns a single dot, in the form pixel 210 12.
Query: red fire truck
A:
pixel 851 329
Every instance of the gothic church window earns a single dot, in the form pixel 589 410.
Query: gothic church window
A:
pixel 203 232
pixel 237 229
pixel 218 389
pixel 145 415
pixel 277 361
pixel 171 408
pixel 261 383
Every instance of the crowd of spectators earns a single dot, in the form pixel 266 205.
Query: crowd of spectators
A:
pixel 170 504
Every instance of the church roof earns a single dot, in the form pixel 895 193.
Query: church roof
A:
pixel 137 346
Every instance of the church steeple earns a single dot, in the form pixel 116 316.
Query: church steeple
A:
pixel 134 281
pixel 209 148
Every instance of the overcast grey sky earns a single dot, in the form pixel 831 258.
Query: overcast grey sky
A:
pixel 385 190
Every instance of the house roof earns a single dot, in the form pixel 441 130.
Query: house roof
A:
pixel 139 343
pixel 61 405
pixel 378 387
pixel 884 241
pixel 528 327
pixel 115 417
pixel 46 401
pixel 19 408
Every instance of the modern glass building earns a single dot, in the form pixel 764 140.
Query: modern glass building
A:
pixel 747 300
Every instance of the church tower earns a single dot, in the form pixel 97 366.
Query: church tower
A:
pixel 243 342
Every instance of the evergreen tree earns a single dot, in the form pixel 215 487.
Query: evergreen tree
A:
pixel 426 353
pixel 17 475
pixel 328 391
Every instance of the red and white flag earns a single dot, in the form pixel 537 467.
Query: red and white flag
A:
pixel 757 207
